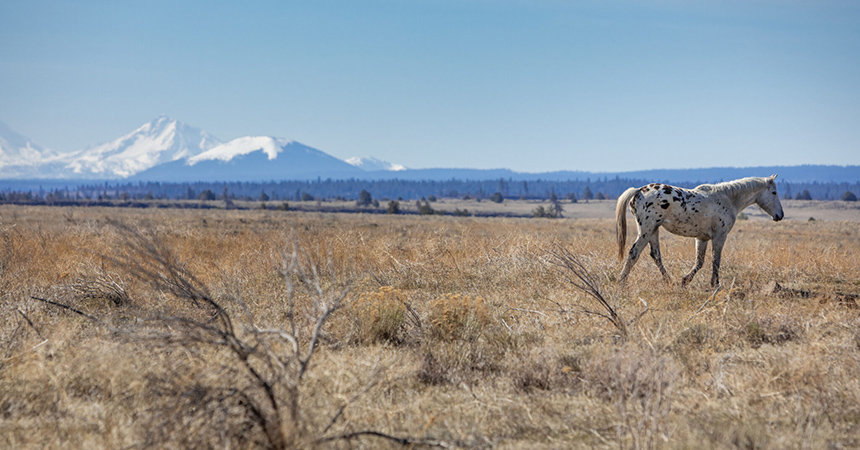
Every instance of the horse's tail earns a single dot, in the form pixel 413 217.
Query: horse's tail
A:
pixel 621 220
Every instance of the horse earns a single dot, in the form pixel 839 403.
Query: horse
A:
pixel 706 213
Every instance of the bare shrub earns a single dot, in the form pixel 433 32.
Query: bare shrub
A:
pixel 576 271
pixel 154 262
pixel 253 392
pixel 103 286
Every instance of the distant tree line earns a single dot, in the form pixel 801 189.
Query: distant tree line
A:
pixel 385 190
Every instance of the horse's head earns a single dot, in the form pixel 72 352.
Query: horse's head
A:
pixel 768 200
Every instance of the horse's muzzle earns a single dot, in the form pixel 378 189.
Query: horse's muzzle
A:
pixel 778 217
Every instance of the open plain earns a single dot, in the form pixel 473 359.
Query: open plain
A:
pixel 185 328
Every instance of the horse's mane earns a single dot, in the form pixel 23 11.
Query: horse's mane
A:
pixel 735 186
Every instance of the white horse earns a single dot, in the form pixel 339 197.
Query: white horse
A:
pixel 706 213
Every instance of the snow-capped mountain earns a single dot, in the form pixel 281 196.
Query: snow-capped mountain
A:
pixel 19 156
pixel 169 150
pixel 371 164
pixel 160 141
pixel 253 158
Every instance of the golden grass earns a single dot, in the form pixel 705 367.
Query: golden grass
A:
pixel 454 331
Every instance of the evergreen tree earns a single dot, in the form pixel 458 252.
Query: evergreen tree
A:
pixel 587 194
pixel 364 198
pixel 805 195
pixel 393 207
pixel 557 209
pixel 425 209
pixel 225 196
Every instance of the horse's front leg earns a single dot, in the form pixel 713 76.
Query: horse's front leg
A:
pixel 701 247
pixel 719 241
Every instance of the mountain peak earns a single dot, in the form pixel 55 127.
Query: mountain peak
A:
pixel 156 142
pixel 17 149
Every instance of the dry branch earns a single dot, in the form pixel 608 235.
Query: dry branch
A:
pixel 76 311
pixel 576 272
pixel 405 441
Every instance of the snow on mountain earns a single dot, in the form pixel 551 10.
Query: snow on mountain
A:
pixel 160 141
pixel 371 164
pixel 22 158
pixel 18 150
pixel 242 146
pixel 253 158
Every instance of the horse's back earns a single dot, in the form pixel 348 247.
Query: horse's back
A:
pixel 685 212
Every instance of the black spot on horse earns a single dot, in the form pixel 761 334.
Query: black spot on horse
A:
pixel 667 190
pixel 664 204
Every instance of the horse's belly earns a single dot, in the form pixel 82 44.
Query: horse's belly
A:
pixel 686 227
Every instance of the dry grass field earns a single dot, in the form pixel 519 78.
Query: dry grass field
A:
pixel 136 328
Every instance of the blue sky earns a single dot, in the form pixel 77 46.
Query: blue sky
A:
pixel 526 85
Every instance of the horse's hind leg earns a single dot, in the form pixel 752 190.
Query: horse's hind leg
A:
pixel 634 253
pixel 655 254
pixel 701 247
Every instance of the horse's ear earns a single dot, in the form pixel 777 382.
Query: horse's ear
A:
pixel 773 177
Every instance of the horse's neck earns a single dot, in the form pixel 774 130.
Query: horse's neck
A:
pixel 743 198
